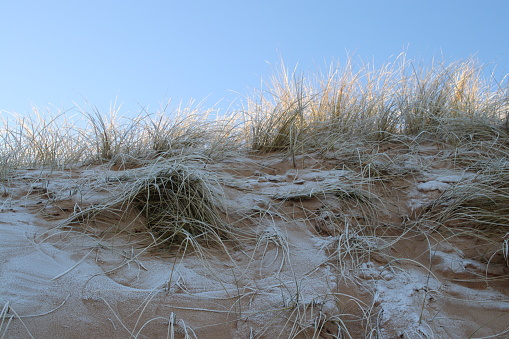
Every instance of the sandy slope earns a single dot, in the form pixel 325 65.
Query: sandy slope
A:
pixel 322 267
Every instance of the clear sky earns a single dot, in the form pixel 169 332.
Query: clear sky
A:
pixel 56 52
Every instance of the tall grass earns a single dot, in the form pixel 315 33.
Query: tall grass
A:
pixel 451 102
pixel 447 102
pixel 39 140
pixel 91 136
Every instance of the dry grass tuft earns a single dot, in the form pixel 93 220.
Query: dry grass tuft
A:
pixel 277 117
pixel 177 202
pixel 479 203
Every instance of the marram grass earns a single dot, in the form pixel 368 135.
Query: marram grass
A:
pixel 481 202
pixel 450 103
pixel 385 125
pixel 176 201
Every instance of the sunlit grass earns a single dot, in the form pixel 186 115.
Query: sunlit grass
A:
pixel 446 102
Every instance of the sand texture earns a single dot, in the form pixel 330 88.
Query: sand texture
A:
pixel 337 244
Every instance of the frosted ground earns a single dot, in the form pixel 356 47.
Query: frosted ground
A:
pixel 358 205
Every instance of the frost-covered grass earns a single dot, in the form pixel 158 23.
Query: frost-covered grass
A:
pixel 376 124
pixel 452 103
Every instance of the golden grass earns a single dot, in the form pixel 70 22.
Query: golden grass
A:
pixel 446 102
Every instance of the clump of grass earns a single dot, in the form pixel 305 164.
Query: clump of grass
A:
pixel 297 112
pixel 478 203
pixel 171 131
pixel 276 118
pixel 177 202
pixel 39 140
pixel 43 139
pixel 182 128
pixel 113 138
pixel 356 103
pixel 450 103
pixel 439 96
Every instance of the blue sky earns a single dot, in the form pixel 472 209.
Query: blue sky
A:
pixel 141 53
